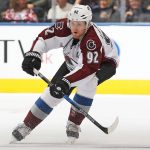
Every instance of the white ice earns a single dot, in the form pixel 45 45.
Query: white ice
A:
pixel 133 131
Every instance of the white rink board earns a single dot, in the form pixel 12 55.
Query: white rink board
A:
pixel 132 40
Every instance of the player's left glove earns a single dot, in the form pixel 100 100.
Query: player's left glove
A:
pixel 60 88
pixel 31 60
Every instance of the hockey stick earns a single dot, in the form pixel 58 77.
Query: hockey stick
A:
pixel 106 130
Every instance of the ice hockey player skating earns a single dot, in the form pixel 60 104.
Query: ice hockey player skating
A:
pixel 90 59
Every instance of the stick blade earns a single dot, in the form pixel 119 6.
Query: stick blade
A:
pixel 113 126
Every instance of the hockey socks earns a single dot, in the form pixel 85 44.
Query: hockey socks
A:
pixel 85 103
pixel 39 111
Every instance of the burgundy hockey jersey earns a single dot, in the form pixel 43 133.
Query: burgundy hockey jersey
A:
pixel 83 58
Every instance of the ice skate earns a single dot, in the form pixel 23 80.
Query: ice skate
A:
pixel 20 132
pixel 72 131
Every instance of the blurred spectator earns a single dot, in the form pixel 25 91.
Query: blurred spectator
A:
pixel 105 12
pixel 135 12
pixel 116 4
pixel 91 3
pixel 40 7
pixel 61 10
pixel 37 3
pixel 18 11
pixel 4 5
pixel 146 6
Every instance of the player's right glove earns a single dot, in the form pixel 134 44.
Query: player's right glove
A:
pixel 60 88
pixel 31 60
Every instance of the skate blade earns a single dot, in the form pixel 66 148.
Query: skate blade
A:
pixel 13 140
pixel 71 140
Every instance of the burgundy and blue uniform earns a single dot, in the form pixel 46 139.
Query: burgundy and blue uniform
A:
pixel 83 58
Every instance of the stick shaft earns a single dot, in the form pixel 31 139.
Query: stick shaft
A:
pixel 106 130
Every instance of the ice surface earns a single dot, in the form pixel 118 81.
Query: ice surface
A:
pixel 133 131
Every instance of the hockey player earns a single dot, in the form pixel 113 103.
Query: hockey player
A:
pixel 90 58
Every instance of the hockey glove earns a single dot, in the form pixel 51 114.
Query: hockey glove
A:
pixel 60 88
pixel 106 71
pixel 31 60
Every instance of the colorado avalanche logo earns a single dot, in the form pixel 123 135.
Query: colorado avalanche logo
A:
pixel 90 44
pixel 59 25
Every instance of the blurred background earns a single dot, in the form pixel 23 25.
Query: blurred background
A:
pixel 51 10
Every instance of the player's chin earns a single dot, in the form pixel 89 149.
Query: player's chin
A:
pixel 76 36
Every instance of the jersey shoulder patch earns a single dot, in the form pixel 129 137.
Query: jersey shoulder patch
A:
pixel 60 24
pixel 91 41
pixel 61 28
pixel 90 44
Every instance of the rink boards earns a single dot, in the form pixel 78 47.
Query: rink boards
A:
pixel 108 87
pixel 133 73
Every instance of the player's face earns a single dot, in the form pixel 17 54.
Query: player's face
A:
pixel 78 28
